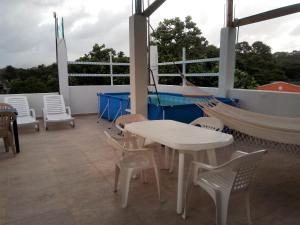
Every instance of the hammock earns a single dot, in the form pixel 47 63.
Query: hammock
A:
pixel 281 130
pixel 273 128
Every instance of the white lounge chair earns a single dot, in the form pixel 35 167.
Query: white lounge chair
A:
pixel 220 182
pixel 133 158
pixel 26 116
pixel 55 111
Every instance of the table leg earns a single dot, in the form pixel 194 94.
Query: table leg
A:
pixel 211 155
pixel 16 136
pixel 180 182
pixel 167 158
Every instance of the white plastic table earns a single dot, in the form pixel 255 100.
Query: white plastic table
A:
pixel 182 137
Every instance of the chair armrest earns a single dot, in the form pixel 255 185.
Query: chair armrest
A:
pixel 120 128
pixel 44 113
pixel 238 154
pixel 68 110
pixel 199 165
pixel 139 150
pixel 32 113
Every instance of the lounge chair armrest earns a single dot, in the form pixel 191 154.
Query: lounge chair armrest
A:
pixel 32 113
pixel 68 110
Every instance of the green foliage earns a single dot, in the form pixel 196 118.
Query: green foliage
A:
pixel 243 80
pixel 33 80
pixel 260 64
pixel 171 36
pixel 99 54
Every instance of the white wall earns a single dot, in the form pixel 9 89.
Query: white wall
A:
pixel 268 102
pixel 35 101
pixel 83 99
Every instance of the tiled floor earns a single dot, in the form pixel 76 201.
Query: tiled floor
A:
pixel 64 177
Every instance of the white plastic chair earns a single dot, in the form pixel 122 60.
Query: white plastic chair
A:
pixel 210 123
pixel 220 182
pixel 133 158
pixel 55 111
pixel 121 121
pixel 26 116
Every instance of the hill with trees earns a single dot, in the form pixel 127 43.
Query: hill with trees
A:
pixel 255 63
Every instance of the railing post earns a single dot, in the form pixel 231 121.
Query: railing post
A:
pixel 183 66
pixel 111 69
pixel 154 64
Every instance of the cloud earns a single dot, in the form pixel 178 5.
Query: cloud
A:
pixel 295 31
pixel 27 29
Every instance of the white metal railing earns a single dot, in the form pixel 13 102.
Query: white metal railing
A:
pixel 184 63
pixel 111 64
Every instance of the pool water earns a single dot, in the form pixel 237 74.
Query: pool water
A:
pixel 173 100
pixel 167 99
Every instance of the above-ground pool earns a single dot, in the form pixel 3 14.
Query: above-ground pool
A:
pixel 172 106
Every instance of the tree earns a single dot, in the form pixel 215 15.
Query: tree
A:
pixel 171 36
pixel 258 62
pixel 243 80
pixel 99 53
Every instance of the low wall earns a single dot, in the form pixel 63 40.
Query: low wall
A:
pixel 35 101
pixel 268 102
pixel 83 99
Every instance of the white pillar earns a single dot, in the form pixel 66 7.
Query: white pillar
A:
pixel 154 63
pixel 62 64
pixel 227 60
pixel 138 64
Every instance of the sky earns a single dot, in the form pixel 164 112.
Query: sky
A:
pixel 27 26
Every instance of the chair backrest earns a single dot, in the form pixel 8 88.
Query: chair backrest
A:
pixel 20 103
pixel 209 123
pixel 244 166
pixel 5 106
pixel 130 118
pixel 54 104
pixel 5 120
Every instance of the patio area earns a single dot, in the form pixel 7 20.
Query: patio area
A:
pixel 65 177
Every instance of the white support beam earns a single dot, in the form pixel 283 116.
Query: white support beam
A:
pixel 153 7
pixel 138 64
pixel 275 13
pixel 227 60
pixel 62 64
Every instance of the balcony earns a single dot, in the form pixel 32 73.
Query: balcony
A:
pixel 65 176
